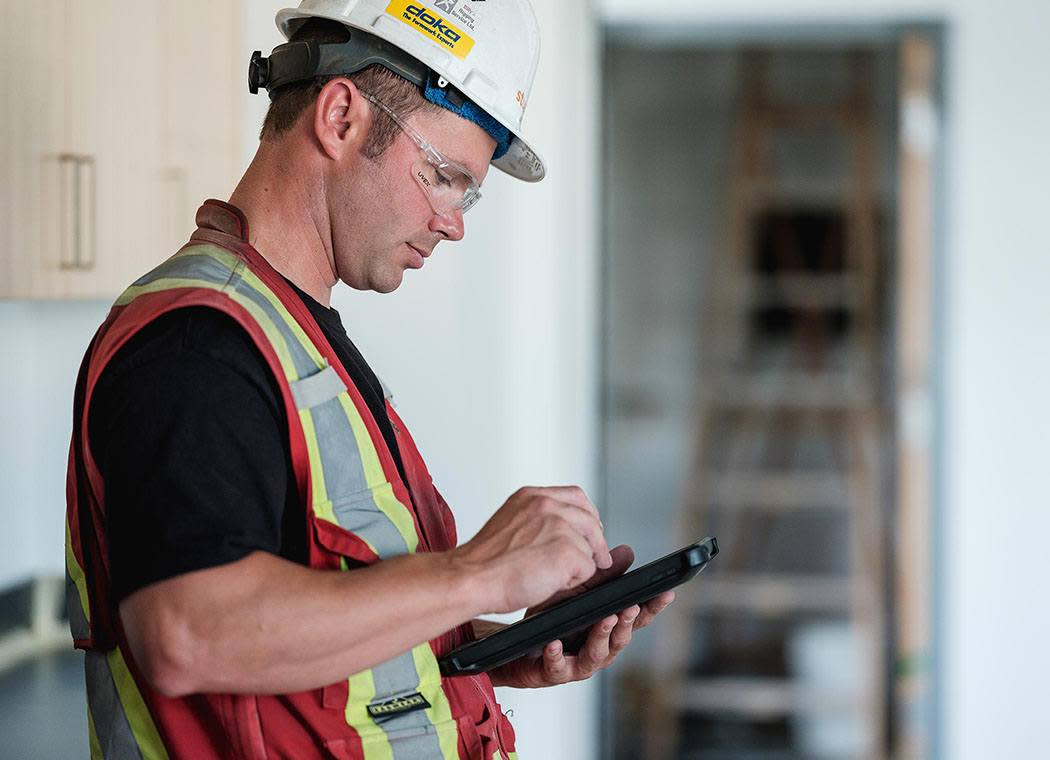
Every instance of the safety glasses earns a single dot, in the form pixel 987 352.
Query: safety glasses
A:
pixel 448 186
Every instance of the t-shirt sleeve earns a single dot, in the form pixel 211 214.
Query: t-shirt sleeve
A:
pixel 188 430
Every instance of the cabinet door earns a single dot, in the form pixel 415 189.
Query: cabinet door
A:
pixel 115 144
pixel 203 85
pixel 120 119
pixel 34 94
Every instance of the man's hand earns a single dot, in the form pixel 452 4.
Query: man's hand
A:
pixel 542 541
pixel 605 640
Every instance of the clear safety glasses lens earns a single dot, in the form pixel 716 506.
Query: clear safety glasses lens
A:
pixel 447 184
pixel 447 187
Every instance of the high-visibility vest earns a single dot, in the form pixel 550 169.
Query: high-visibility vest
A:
pixel 357 511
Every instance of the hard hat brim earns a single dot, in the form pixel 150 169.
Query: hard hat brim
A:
pixel 521 161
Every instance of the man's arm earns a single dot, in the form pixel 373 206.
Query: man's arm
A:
pixel 267 625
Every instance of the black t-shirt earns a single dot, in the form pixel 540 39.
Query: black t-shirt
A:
pixel 189 430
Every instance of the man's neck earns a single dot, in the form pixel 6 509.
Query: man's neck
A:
pixel 288 221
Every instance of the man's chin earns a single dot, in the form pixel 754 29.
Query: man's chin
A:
pixel 390 282
pixel 387 283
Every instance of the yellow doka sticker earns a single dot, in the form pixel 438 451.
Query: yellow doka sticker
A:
pixel 432 24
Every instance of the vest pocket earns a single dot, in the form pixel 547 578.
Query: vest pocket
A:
pixel 365 525
pixel 376 517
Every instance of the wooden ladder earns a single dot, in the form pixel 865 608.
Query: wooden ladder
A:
pixel 759 402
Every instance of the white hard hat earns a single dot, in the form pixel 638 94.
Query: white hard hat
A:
pixel 487 50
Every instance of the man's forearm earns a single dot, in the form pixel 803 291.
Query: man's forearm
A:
pixel 266 625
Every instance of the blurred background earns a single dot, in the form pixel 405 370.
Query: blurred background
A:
pixel 783 285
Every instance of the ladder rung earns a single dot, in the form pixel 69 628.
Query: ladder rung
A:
pixel 808 116
pixel 778 490
pixel 773 594
pixel 824 390
pixel 760 698
pixel 806 291
pixel 758 196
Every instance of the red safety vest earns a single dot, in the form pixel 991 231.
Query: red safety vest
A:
pixel 356 508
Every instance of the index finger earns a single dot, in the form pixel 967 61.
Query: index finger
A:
pixel 573 495
pixel 590 528
pixel 622 559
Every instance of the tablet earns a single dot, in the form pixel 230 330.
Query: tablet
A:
pixel 570 619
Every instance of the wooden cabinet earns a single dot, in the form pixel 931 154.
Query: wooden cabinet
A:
pixel 119 119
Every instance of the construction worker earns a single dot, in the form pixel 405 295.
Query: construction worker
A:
pixel 259 563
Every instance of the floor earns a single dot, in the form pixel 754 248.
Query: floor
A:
pixel 42 710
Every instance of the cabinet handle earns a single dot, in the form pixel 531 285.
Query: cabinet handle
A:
pixel 80 198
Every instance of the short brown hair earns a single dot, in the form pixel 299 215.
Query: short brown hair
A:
pixel 290 101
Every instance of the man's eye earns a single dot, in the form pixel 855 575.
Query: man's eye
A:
pixel 444 179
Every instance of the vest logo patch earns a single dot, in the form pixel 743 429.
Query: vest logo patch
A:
pixel 384 711
pixel 433 25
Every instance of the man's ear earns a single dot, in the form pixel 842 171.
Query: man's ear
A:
pixel 342 118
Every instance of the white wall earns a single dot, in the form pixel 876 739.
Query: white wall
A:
pixel 996 364
pixel 491 349
pixel 41 345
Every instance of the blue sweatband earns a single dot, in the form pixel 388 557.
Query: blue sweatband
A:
pixel 469 110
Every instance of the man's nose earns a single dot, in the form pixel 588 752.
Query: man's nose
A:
pixel 448 224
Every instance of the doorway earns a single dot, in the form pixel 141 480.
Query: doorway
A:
pixel 768 248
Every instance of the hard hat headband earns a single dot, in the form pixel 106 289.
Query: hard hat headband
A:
pixel 302 61
pixel 299 61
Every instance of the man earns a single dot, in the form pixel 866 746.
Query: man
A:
pixel 259 563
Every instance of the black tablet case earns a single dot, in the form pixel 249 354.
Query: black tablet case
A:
pixel 571 619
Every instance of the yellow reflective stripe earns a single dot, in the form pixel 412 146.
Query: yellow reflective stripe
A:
pixel 260 287
pixel 272 333
pixel 173 283
pixel 138 715
pixel 93 743
pixel 164 283
pixel 383 497
pixel 362 690
pixel 76 572
pixel 252 280
pixel 440 712
pixel 512 755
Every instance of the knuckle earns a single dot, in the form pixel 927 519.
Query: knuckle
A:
pixel 565 544
pixel 545 504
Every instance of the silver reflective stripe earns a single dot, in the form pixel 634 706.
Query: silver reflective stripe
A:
pixel 424 745
pixel 396 678
pixel 318 388
pixel 200 266
pixel 361 516
pixel 304 364
pixel 189 266
pixel 78 624
pixel 107 713
pixel 353 501
pixel 344 472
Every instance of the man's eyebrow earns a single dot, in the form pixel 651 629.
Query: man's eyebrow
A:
pixel 461 162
